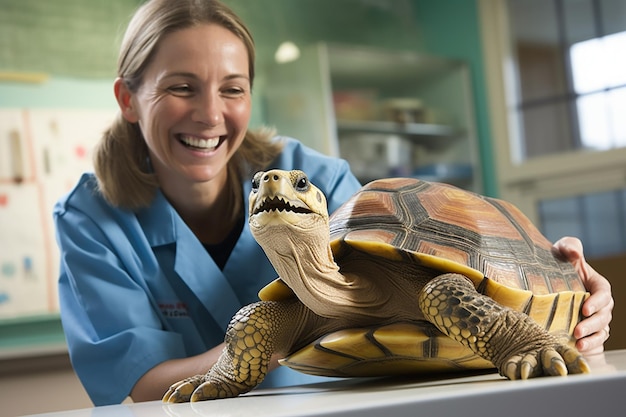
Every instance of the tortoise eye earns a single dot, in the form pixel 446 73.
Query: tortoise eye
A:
pixel 256 181
pixel 302 184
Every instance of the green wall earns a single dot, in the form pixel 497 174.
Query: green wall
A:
pixel 75 42
pixel 451 28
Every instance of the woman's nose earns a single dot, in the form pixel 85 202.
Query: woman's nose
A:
pixel 209 110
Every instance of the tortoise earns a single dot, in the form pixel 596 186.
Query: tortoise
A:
pixel 413 277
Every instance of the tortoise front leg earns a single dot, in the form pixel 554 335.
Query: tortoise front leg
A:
pixel 510 339
pixel 253 335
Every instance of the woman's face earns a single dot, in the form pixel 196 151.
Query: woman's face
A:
pixel 194 103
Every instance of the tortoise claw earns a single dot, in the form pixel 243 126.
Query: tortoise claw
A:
pixel 558 361
pixel 528 367
pixel 212 390
pixel 206 391
pixel 553 364
pixel 181 391
pixel 576 363
pixel 521 367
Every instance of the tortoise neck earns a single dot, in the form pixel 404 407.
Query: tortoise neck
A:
pixel 305 262
pixel 309 269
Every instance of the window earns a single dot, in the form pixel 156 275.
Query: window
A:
pixel 598 219
pixel 571 75
pixel 599 77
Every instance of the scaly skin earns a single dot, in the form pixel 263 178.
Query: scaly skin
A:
pixel 511 340
pixel 255 333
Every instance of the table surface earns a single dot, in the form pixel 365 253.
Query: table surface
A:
pixel 602 391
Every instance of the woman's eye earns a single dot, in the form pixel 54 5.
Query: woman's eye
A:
pixel 233 91
pixel 183 89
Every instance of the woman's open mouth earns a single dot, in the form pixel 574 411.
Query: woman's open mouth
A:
pixel 201 143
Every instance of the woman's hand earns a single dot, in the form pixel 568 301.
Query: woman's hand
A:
pixel 593 330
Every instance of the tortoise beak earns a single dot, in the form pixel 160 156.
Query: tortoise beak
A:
pixel 280 203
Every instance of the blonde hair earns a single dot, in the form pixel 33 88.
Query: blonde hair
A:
pixel 121 158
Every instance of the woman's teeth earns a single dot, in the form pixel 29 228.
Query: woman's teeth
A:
pixel 200 143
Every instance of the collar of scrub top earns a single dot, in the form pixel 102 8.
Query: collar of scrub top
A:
pixel 163 226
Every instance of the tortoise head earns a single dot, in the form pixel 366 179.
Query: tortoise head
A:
pixel 286 201
pixel 289 219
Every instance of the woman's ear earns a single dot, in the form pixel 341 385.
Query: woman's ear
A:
pixel 124 100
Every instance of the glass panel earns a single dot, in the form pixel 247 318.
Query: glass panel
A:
pixel 589 61
pixel 602 121
pixel 617 103
pixel 615 45
pixel 541 71
pixel 595 131
pixel 602 223
pixel 561 217
pixel 547 129
pixel 613 15
pixel 536 42
pixel 599 63
pixel 578 24
pixel 598 219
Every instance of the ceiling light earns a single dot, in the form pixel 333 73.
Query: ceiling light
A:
pixel 287 52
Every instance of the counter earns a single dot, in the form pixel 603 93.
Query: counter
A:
pixel 601 392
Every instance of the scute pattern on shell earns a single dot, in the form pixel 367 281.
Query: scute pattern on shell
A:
pixel 480 232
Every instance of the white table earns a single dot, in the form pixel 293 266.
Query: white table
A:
pixel 601 393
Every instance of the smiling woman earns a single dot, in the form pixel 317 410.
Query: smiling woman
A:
pixel 193 113
pixel 162 222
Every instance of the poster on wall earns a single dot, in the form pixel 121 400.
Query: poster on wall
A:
pixel 42 155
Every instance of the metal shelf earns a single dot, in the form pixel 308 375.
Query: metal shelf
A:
pixel 416 129
pixel 427 134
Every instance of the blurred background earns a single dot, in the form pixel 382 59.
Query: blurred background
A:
pixel 518 99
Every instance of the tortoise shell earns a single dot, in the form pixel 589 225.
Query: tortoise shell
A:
pixel 445 229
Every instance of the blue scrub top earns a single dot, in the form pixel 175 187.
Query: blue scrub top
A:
pixel 138 288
